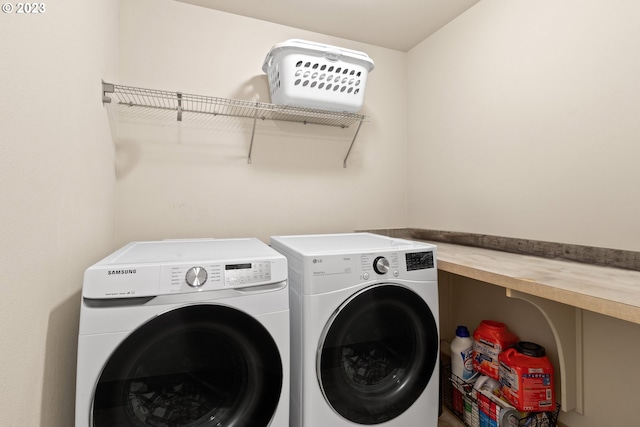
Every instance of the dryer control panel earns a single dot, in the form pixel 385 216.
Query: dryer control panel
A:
pixel 419 260
pixel 396 262
pixel 333 262
pixel 380 263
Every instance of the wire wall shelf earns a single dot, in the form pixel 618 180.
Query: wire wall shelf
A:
pixel 209 105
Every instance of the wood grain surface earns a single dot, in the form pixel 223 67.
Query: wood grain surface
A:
pixel 585 254
pixel 605 289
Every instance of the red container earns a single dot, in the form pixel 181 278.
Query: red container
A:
pixel 490 339
pixel 526 378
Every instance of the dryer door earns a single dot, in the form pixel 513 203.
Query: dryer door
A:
pixel 377 354
pixel 201 365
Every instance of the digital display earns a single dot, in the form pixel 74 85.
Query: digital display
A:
pixel 244 266
pixel 419 260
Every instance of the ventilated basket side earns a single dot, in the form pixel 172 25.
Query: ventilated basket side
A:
pixel 316 79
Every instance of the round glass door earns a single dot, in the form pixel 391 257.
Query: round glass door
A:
pixel 201 365
pixel 377 354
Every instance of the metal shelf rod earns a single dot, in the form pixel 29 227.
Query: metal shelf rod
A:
pixel 253 133
pixel 344 163
pixel 198 104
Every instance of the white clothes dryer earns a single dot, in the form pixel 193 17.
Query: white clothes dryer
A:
pixel 185 333
pixel 364 330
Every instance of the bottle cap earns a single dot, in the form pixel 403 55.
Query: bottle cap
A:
pixel 462 331
pixel 530 349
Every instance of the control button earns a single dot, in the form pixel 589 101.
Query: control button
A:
pixel 196 276
pixel 381 265
pixel 365 276
pixel 395 273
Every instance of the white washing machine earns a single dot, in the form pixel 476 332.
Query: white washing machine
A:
pixel 185 333
pixel 364 330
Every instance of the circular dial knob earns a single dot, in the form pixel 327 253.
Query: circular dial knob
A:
pixel 381 265
pixel 196 276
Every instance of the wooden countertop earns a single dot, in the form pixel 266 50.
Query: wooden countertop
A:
pixel 610 291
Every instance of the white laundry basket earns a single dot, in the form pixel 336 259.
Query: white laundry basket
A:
pixel 314 75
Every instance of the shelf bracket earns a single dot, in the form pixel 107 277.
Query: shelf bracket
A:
pixel 179 95
pixel 107 88
pixel 566 324
pixel 344 163
pixel 253 132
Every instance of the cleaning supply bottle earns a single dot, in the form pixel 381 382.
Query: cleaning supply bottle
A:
pixel 526 377
pixel 461 354
pixel 490 339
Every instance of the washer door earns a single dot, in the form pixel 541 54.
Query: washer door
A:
pixel 201 365
pixel 377 354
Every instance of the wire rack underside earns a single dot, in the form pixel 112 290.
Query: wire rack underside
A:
pixel 183 102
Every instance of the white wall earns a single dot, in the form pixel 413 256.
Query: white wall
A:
pixel 57 183
pixel 524 121
pixel 191 179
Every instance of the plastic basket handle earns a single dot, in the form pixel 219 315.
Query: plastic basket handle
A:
pixel 332 56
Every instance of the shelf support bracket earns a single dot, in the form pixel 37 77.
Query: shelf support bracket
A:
pixel 179 95
pixel 253 132
pixel 566 325
pixel 107 88
pixel 344 163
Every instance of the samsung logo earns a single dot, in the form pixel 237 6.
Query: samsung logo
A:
pixel 110 272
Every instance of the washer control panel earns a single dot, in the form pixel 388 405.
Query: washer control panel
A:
pixel 247 273
pixel 182 266
pixel 207 277
pixel 196 276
